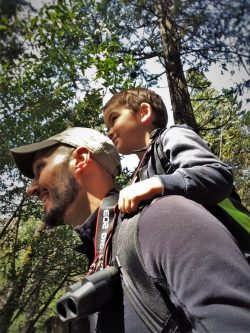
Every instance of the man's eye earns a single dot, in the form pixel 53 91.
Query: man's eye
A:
pixel 38 169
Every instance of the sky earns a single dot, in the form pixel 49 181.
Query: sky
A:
pixel 38 3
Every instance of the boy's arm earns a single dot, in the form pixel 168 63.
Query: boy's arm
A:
pixel 131 196
pixel 199 175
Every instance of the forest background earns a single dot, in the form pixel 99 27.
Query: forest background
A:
pixel 57 66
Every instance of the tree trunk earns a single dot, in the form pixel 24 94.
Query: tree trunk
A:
pixel 8 310
pixel 180 98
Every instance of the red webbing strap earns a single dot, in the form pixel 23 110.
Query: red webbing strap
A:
pixel 107 248
pixel 106 216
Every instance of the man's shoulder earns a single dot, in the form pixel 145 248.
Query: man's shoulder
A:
pixel 169 208
pixel 169 201
pixel 156 220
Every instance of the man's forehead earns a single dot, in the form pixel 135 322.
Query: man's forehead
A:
pixel 49 151
pixel 45 152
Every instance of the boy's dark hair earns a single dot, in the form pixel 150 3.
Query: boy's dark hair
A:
pixel 133 97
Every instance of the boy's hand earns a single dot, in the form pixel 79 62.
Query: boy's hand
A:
pixel 131 196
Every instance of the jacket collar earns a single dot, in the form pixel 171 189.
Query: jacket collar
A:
pixel 86 232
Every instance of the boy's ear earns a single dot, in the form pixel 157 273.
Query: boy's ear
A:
pixel 82 159
pixel 145 112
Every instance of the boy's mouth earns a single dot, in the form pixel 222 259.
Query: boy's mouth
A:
pixel 115 140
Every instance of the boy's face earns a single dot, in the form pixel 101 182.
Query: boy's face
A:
pixel 125 129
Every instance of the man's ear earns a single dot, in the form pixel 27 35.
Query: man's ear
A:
pixel 82 159
pixel 145 112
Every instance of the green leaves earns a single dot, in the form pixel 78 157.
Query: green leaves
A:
pixel 224 126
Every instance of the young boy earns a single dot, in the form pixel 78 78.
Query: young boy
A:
pixel 134 119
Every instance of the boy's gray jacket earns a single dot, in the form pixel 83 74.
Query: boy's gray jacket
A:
pixel 194 171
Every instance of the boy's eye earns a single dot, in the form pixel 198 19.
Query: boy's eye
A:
pixel 113 119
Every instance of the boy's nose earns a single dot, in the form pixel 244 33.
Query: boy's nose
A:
pixel 110 134
pixel 32 188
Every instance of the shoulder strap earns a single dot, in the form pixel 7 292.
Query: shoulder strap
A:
pixel 138 286
pixel 106 218
pixel 162 163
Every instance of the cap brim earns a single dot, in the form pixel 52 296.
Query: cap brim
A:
pixel 24 155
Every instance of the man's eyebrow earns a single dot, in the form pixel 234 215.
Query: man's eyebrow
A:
pixel 38 160
pixel 37 163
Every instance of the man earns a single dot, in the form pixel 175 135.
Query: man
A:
pixel 184 272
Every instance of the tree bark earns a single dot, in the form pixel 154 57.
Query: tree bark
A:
pixel 180 98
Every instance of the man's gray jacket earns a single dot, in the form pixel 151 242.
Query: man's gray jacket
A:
pixel 193 261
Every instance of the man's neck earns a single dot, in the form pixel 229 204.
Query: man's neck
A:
pixel 80 210
pixel 83 207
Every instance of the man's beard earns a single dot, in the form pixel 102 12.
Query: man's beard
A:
pixel 63 195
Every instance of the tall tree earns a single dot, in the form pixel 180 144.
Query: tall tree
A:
pixel 171 49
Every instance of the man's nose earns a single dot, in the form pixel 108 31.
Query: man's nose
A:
pixel 32 188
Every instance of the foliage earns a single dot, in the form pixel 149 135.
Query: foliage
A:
pixel 35 270
pixel 11 44
pixel 46 88
pixel 123 179
pixel 225 127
